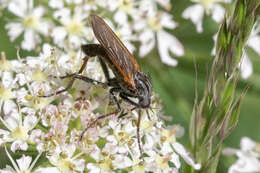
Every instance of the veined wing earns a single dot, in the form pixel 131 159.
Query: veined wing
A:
pixel 118 53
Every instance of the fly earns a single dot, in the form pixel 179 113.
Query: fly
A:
pixel 129 80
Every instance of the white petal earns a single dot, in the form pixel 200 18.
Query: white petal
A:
pixel 63 15
pixel 24 162
pixel 75 41
pixel 139 24
pixel 176 160
pixel 44 28
pixel 195 14
pixel 246 66
pixel 227 1
pixel 30 122
pixel 163 3
pixel 166 43
pixel 8 169
pixel 95 153
pixel 22 145
pixel 247 144
pixel 218 13
pixel 254 43
pixel 120 17
pixel 35 135
pixel 21 79
pixel 112 139
pixel 80 165
pixel 48 169
pixel 18 7
pixel 113 124
pixel 104 131
pixel 7 79
pixel 80 14
pixel 58 34
pixel 167 21
pixel 123 160
pixel 144 49
pixel 4 136
pixel 112 5
pixel 69 149
pixel 11 114
pixel 56 3
pixel 92 168
pixel 14 30
pixel 147 42
pixel 245 165
pixel 31 39
pixel 185 155
pixel 38 11
pixel 213 51
pixel 74 1
pixel 46 50
pixel 166 148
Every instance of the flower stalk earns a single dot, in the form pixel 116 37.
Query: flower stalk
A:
pixel 216 115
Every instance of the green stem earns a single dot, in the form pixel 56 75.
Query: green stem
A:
pixel 216 115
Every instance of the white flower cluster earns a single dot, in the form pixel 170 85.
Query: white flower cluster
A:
pixel 53 125
pixel 248 156
pixel 64 24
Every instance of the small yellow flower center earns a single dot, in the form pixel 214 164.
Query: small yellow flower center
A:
pixel 207 3
pixel 37 102
pixel 139 166
pixel 162 162
pixel 168 7
pixel 122 137
pixel 147 125
pixel 106 164
pixel 65 165
pixel 90 2
pixel 39 76
pixel 25 171
pixel 168 135
pixel 125 5
pixel 74 27
pixel 155 23
pixel 20 133
pixel 5 93
pixel 30 22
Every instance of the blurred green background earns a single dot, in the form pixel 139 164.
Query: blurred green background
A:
pixel 176 85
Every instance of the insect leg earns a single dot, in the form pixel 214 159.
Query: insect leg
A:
pixel 85 60
pixel 93 122
pixel 138 133
pixel 90 51
pixel 125 97
pixel 98 50
pixel 89 80
pixel 112 90
pixel 104 68
pixel 113 82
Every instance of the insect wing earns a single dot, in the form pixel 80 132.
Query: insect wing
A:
pixel 118 53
